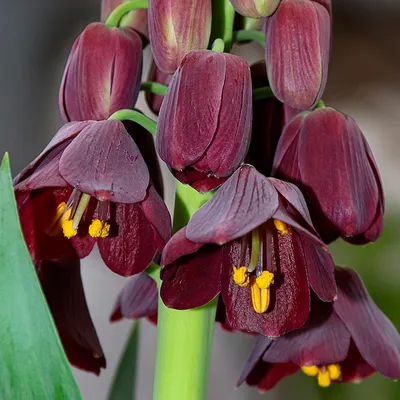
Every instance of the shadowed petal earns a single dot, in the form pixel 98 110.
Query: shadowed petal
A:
pixel 130 247
pixel 193 280
pixel 62 286
pixel 104 162
pixel 355 368
pixel 375 336
pixel 245 201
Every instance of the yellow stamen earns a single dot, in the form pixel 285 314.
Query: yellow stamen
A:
pixel 334 371
pixel 281 227
pixel 323 378
pixel 99 229
pixel 265 280
pixel 259 297
pixel 310 370
pixel 55 226
pixel 241 276
pixel 67 228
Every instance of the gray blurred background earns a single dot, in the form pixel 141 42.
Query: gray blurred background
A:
pixel 364 81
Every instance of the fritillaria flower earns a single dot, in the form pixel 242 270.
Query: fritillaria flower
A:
pixel 255 8
pixel 62 286
pixel 91 185
pixel 344 341
pixel 176 27
pixel 326 155
pixel 254 243
pixel 102 74
pixel 204 124
pixel 297 47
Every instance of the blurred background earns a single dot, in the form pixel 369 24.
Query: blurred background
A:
pixel 364 81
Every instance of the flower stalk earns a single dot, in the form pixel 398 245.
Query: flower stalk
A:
pixel 115 17
pixel 135 116
pixel 154 87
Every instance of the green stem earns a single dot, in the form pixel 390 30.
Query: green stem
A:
pixel 135 116
pixel 222 22
pixel 115 17
pixel 218 46
pixel 244 36
pixel 320 104
pixel 184 337
pixel 262 93
pixel 154 87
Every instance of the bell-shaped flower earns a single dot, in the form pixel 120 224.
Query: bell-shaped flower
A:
pixel 255 8
pixel 62 286
pixel 297 47
pixel 176 27
pixel 325 154
pixel 135 19
pixel 102 74
pixel 254 243
pixel 204 126
pixel 344 341
pixel 91 185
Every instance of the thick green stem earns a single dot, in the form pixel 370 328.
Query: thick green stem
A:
pixel 115 17
pixel 222 25
pixel 154 87
pixel 262 93
pixel 244 36
pixel 184 337
pixel 135 116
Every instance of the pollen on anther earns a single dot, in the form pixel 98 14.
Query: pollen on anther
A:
pixel 281 227
pixel 310 370
pixel 241 276
pixel 68 230
pixel 99 229
pixel 265 280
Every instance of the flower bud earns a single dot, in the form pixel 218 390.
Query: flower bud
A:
pixel 102 74
pixel 255 8
pixel 135 19
pixel 177 27
pixel 326 155
pixel 297 46
pixel 204 124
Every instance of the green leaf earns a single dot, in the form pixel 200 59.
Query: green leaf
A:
pixel 124 382
pixel 32 362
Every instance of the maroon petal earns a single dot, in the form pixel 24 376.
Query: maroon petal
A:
pixel 178 246
pixel 62 286
pixel 375 336
pixel 64 135
pixel 193 280
pixel 104 162
pixel 201 181
pixel 290 299
pixel 158 216
pixel 130 247
pixel 37 211
pixel 244 201
pixel 137 299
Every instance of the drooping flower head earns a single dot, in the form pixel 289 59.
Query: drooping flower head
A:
pixel 204 124
pixel 102 74
pixel 91 184
pixel 326 155
pixel 344 341
pixel 254 243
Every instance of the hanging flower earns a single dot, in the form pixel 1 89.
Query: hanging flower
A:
pixel 91 185
pixel 255 8
pixel 254 243
pixel 344 341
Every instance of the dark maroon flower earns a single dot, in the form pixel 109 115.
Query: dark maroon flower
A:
pixel 102 74
pixel 254 243
pixel 91 185
pixel 62 286
pixel 204 125
pixel 325 154
pixel 297 47
pixel 344 341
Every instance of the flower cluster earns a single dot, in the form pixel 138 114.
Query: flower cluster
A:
pixel 290 176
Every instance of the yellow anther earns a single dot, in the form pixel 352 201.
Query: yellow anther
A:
pixel 68 230
pixel 259 297
pixel 281 227
pixel 323 378
pixel 241 276
pixel 310 370
pixel 99 229
pixel 334 371
pixel 265 280
pixel 55 227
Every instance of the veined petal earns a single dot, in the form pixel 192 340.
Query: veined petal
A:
pixel 104 162
pixel 244 201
